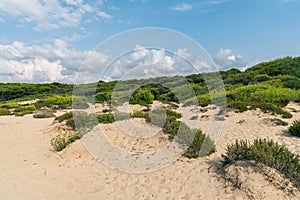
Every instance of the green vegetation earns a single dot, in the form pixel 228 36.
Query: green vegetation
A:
pixel 142 97
pixel 294 129
pixel 106 118
pixel 269 86
pixel 139 114
pixel 192 139
pixel 4 111
pixel 266 152
pixel 64 117
pixel 10 91
pixel 61 141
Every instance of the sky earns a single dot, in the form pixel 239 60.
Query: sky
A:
pixel 49 40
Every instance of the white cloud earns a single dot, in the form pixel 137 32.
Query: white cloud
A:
pixel 52 14
pixel 226 59
pixel 146 62
pixel 182 7
pixel 48 63
pixel 73 2
pixel 20 62
pixel 104 15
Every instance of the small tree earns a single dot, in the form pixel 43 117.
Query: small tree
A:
pixel 142 96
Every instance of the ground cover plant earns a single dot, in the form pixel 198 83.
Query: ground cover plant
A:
pixel 265 152
pixel 294 129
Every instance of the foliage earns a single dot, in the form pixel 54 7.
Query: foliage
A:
pixel 266 152
pixel 24 110
pixel 142 97
pixel 64 117
pixel 139 114
pixel 4 111
pixel 160 116
pixel 201 145
pixel 62 140
pixel 192 139
pixel 56 100
pixel 9 91
pixel 268 85
pixel 106 118
pixel 79 102
pixel 294 129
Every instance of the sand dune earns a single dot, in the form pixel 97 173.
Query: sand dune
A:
pixel 29 170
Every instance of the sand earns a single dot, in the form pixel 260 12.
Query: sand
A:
pixel 30 170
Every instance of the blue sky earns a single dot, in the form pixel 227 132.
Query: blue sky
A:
pixel 44 41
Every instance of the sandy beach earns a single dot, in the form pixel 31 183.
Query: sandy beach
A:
pixel 30 170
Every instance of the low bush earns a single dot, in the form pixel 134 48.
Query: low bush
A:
pixel 62 140
pixel 59 142
pixel 201 145
pixel 64 117
pixel 79 102
pixel 60 100
pixel 24 110
pixel 294 129
pixel 106 118
pixel 157 117
pixel 142 97
pixel 4 111
pixel 82 121
pixel 160 116
pixel 265 152
pixel 139 114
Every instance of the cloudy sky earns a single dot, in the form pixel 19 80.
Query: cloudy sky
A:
pixel 48 40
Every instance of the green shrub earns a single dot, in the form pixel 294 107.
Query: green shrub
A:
pixel 59 142
pixel 171 126
pixel 139 114
pixel 4 111
pixel 173 113
pixel 71 123
pixel 106 118
pixel 266 152
pixel 201 146
pixel 64 117
pixel 142 97
pixel 81 121
pixel 62 140
pixel 157 117
pixel 294 129
pixel 61 100
pixel 79 102
pixel 24 110
pixel 204 100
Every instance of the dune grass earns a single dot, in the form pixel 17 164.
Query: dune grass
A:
pixel 265 152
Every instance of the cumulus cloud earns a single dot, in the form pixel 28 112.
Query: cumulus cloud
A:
pixel 227 59
pixel 20 62
pixel 50 14
pixel 146 62
pixel 182 7
pixel 56 62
